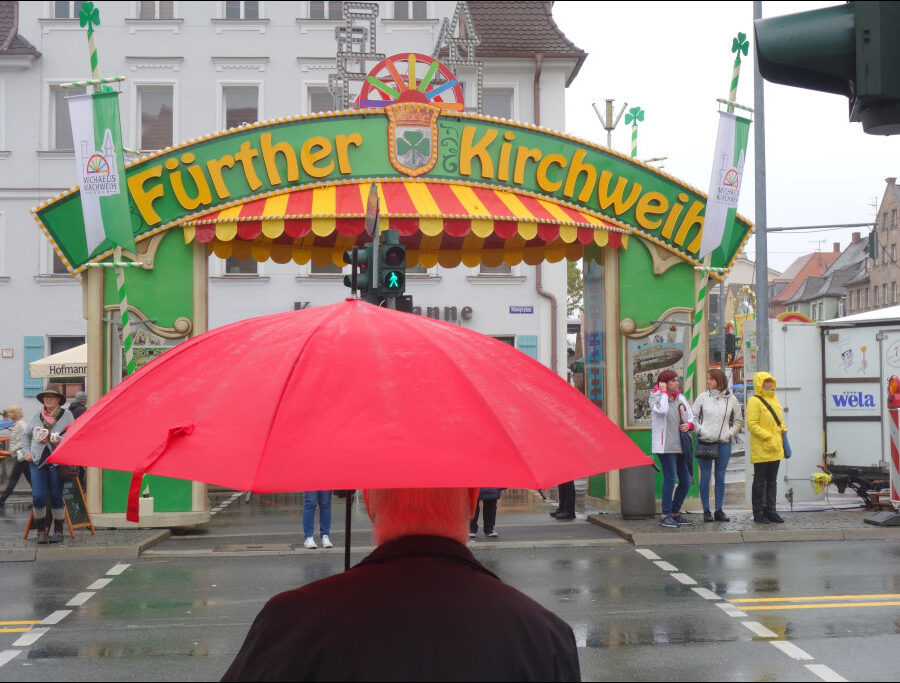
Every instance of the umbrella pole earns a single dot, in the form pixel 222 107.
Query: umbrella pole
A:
pixel 347 536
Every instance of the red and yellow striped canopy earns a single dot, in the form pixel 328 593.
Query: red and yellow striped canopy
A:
pixel 440 223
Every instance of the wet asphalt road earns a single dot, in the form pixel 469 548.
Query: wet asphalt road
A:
pixel 750 612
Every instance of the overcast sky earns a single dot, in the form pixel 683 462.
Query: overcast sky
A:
pixel 673 59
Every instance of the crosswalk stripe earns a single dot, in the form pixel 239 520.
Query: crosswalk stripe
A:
pixel 7 655
pixel 825 673
pixel 808 598
pixel 820 605
pixel 791 650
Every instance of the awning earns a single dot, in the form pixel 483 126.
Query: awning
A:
pixel 69 363
pixel 440 223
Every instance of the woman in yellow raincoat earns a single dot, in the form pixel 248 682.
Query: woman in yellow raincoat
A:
pixel 765 421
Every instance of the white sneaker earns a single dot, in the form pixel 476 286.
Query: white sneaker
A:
pixel 310 542
pixel 326 542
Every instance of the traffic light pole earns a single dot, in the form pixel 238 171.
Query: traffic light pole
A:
pixel 762 255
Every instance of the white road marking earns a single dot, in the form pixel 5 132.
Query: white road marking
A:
pixel 649 554
pixel 98 584
pixel 825 673
pixel 117 569
pixel 791 650
pixel 57 616
pixel 7 655
pixel 683 578
pixel 30 637
pixel 79 599
pixel 224 505
pixel 759 629
pixel 705 593
pixel 730 610
pixel 665 566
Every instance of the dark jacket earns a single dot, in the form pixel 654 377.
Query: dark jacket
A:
pixel 77 409
pixel 413 610
pixel 489 494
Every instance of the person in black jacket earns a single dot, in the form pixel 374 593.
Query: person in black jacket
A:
pixel 410 610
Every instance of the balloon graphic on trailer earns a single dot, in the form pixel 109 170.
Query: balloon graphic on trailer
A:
pixel 387 83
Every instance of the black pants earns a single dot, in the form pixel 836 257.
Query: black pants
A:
pixel 765 486
pixel 567 498
pixel 18 470
pixel 490 516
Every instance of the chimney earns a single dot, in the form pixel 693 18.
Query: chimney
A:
pixel 856 238
pixel 837 247
pixel 890 181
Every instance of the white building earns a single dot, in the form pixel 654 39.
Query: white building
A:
pixel 196 67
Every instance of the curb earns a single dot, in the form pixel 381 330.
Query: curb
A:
pixel 748 536
pixel 33 552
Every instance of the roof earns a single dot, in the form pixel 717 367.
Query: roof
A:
pixel 813 265
pixel 533 32
pixel 851 257
pixel 891 313
pixel 862 274
pixel 11 43
pixel 807 290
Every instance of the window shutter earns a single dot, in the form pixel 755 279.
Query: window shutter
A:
pixel 527 344
pixel 34 350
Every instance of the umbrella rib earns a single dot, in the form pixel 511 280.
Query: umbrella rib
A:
pixel 489 407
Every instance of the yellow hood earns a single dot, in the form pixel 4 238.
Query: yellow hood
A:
pixel 758 380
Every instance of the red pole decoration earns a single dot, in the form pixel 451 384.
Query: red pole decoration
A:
pixel 893 401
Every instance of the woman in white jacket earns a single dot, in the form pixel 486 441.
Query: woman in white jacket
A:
pixel 671 415
pixel 719 418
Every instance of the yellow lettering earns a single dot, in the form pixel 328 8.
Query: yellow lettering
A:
pixel 576 168
pixel 269 154
pixel 246 155
pixel 314 150
pixel 196 173
pixel 691 218
pixel 543 181
pixel 468 151
pixel 672 218
pixel 652 203
pixel 523 155
pixel 143 199
pixel 616 199
pixel 505 151
pixel 215 166
pixel 342 142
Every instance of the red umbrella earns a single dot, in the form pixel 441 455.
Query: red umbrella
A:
pixel 343 397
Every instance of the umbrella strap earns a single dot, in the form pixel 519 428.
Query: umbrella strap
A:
pixel 134 491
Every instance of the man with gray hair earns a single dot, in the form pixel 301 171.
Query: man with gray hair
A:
pixel 419 608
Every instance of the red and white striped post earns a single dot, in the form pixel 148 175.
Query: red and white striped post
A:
pixel 893 401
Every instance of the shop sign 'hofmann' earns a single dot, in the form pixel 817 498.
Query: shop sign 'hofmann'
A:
pixel 401 141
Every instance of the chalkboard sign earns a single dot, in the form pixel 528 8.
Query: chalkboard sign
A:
pixel 76 508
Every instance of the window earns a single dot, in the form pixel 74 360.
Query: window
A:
pixel 893 218
pixel 241 105
pixel 497 102
pixel 241 10
pixel 858 299
pixel 866 302
pixel 894 254
pixel 58 345
pixel 410 10
pixel 164 9
pixel 329 269
pixel 235 266
pixel 893 292
pixel 155 116
pixel 502 269
pixel 67 9
pixel 319 98
pixel 877 297
pixel 326 10
pixel 884 298
pixel 59 268
pixel 61 125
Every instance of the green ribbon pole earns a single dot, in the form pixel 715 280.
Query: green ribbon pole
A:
pixel 634 115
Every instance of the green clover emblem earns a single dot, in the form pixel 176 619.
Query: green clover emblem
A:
pixel 413 140
pixel 740 44
pixel 89 16
pixel 634 115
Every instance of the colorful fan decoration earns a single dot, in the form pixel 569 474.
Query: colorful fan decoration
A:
pixel 396 79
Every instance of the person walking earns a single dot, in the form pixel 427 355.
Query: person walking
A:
pixel 20 467
pixel 312 499
pixel 719 419
pixel 765 422
pixel 487 500
pixel 42 434
pixel 670 418
pixel 566 509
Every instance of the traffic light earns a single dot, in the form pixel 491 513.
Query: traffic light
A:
pixel 361 273
pixel 849 50
pixel 873 245
pixel 391 265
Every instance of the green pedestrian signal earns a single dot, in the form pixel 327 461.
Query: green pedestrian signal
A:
pixel 391 265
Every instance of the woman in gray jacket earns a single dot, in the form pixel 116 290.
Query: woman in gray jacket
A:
pixel 718 413
pixel 42 435
pixel 20 467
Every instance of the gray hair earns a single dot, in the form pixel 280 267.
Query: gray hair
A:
pixel 431 512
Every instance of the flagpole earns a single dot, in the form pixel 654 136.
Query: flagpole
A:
pixel 89 16
pixel 701 273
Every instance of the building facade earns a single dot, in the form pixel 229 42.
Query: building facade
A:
pixel 197 67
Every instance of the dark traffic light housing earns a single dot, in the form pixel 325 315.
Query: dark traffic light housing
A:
pixel 391 265
pixel 360 277
pixel 850 49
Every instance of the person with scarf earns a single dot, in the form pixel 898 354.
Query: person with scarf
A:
pixel 14 413
pixel 42 434
pixel 670 418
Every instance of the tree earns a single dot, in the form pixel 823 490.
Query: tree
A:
pixel 575 289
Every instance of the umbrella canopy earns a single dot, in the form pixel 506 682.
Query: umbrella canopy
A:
pixel 69 363
pixel 348 396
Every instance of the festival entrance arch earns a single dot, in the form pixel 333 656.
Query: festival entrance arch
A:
pixel 459 189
